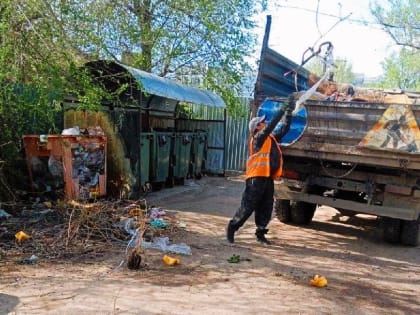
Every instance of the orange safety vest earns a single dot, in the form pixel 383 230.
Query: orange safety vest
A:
pixel 258 163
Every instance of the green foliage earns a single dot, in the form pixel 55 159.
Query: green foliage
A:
pixel 176 37
pixel 43 45
pixel 401 19
pixel 402 70
pixel 227 84
pixel 184 111
pixel 39 67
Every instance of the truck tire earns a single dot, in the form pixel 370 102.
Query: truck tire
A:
pixel 282 210
pixel 410 233
pixel 391 230
pixel 302 212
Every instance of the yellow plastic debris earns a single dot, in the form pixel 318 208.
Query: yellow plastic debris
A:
pixel 170 261
pixel 48 204
pixel 135 212
pixel 319 281
pixel 21 236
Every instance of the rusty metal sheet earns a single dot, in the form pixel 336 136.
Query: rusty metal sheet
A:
pixel 64 150
pixel 335 130
pixel 400 190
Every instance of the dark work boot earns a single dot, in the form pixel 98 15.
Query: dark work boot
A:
pixel 260 233
pixel 230 233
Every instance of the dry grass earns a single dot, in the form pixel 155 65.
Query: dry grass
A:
pixel 119 176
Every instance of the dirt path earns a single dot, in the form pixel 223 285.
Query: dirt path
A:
pixel 365 275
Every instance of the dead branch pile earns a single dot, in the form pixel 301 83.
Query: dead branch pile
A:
pixel 73 229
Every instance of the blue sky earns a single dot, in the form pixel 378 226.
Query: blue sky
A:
pixel 295 27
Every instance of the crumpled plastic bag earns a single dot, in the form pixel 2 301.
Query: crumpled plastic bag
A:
pixel 74 131
pixel 29 261
pixel 4 214
pixel 127 225
pixel 162 243
pixel 156 213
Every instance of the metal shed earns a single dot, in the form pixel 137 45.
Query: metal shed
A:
pixel 148 104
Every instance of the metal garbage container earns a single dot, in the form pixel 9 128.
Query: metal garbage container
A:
pixel 146 149
pixel 198 150
pixel 182 155
pixel 160 157
pixel 76 163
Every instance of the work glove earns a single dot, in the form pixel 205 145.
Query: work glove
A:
pixel 288 109
pixel 290 105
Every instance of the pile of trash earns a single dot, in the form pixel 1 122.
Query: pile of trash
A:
pixel 334 91
pixel 74 230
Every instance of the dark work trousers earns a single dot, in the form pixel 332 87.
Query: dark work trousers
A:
pixel 258 198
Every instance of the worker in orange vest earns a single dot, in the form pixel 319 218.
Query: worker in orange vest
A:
pixel 264 164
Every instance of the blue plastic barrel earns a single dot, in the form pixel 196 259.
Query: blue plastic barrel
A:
pixel 297 126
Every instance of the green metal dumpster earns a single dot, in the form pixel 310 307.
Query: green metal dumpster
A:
pixel 146 146
pixel 161 157
pixel 182 155
pixel 198 150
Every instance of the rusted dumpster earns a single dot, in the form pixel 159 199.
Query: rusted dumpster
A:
pixel 76 163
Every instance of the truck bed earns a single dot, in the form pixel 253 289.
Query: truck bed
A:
pixel 334 131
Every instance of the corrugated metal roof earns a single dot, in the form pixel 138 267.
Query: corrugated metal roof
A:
pixel 155 85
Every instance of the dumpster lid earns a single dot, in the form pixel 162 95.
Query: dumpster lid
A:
pixel 153 84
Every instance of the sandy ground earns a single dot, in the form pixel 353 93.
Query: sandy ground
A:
pixel 365 275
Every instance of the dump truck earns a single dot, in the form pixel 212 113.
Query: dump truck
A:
pixel 359 155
